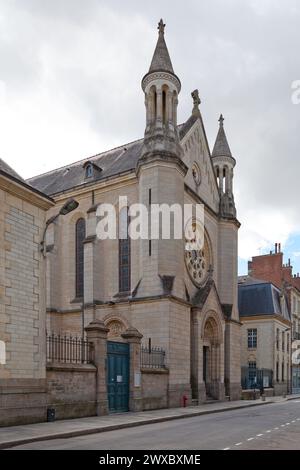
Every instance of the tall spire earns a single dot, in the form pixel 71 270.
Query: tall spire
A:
pixel 161 59
pixel 221 147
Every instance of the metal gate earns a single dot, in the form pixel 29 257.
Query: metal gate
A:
pixel 117 376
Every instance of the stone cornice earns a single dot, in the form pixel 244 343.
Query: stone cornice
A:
pixel 224 159
pixel 266 317
pixel 163 157
pixel 25 192
pixel 106 184
pixel 160 75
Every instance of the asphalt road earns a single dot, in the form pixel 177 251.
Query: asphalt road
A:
pixel 272 426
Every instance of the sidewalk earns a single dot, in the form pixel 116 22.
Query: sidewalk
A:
pixel 17 435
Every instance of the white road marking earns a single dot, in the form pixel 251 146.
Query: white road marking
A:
pixel 268 431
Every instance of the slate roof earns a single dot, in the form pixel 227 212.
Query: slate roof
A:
pixel 221 147
pixel 9 171
pixel 261 298
pixel 112 162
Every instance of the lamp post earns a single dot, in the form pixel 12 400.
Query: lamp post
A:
pixel 68 207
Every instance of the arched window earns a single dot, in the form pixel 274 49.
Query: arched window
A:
pixel 89 171
pixel 124 252
pixel 80 236
pixel 164 106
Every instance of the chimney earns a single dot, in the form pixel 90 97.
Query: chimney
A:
pixel 279 247
pixel 275 248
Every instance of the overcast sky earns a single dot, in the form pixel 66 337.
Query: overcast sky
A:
pixel 70 73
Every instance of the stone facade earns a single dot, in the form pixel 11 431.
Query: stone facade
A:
pixel 172 165
pixel 269 352
pixel 270 267
pixel 182 301
pixel 22 301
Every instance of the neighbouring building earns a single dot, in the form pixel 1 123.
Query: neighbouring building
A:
pixel 22 300
pixel 181 302
pixel 265 337
pixel 270 267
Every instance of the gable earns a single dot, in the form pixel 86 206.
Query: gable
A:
pixel 196 152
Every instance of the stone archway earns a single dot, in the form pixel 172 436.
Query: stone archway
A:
pixel 117 325
pixel 212 358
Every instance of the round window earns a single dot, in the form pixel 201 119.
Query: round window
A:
pixel 196 174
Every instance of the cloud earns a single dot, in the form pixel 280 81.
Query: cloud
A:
pixel 70 76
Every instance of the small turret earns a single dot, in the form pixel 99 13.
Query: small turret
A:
pixel 224 163
pixel 161 87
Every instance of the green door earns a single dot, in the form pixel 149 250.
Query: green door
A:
pixel 117 376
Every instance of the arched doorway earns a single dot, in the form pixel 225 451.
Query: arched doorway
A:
pixel 212 357
pixel 117 366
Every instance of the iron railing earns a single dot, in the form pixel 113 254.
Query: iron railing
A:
pixel 68 349
pixel 256 378
pixel 153 358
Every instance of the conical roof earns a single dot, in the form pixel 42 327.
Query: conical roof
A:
pixel 161 59
pixel 221 147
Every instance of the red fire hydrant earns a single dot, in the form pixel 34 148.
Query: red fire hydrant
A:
pixel 184 400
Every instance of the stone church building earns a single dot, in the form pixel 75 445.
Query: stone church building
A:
pixel 147 296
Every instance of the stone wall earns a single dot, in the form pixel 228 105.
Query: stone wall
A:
pixel 155 388
pixel 22 401
pixel 22 303
pixel 71 390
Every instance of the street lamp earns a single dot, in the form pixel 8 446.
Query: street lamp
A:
pixel 68 207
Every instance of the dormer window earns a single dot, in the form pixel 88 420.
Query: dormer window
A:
pixel 89 171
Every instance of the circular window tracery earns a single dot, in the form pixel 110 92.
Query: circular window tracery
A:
pixel 197 254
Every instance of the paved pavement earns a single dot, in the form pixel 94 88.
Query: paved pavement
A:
pixel 276 426
pixel 19 435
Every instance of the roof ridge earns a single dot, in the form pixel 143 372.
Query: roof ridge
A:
pixel 94 156
pixel 84 159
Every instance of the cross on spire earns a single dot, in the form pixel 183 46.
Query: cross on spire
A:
pixel 161 27
pixel 221 119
